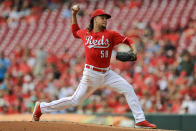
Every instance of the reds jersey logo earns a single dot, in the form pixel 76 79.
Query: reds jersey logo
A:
pixel 101 43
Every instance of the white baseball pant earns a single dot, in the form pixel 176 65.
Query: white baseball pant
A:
pixel 92 80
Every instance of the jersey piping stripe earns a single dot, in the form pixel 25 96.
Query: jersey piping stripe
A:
pixel 124 39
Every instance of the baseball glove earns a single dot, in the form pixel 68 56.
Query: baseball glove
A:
pixel 126 56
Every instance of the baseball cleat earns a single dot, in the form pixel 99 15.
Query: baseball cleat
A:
pixel 145 124
pixel 36 112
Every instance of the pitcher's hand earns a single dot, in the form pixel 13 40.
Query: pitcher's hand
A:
pixel 75 9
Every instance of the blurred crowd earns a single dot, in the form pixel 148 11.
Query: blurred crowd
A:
pixel 14 11
pixel 163 77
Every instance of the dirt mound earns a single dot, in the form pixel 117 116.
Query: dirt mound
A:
pixel 62 126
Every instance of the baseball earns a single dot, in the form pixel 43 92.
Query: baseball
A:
pixel 75 7
pixel 123 47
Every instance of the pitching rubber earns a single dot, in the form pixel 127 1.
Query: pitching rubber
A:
pixel 140 127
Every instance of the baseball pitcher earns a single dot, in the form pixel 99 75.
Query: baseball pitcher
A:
pixel 98 43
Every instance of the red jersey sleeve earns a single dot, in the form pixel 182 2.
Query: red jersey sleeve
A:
pixel 118 38
pixel 77 32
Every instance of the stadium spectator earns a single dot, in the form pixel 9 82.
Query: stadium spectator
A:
pixel 186 64
pixel 4 65
pixel 40 62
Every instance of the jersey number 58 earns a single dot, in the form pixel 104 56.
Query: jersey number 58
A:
pixel 104 53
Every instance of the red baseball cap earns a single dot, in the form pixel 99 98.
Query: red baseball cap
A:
pixel 100 12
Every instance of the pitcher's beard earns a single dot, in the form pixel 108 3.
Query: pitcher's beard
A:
pixel 103 27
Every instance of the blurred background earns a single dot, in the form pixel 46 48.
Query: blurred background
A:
pixel 41 60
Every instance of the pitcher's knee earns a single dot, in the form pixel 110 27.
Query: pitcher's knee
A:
pixel 76 101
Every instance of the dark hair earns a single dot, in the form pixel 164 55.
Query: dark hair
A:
pixel 90 27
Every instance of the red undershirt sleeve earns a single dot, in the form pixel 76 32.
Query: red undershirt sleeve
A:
pixel 76 31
